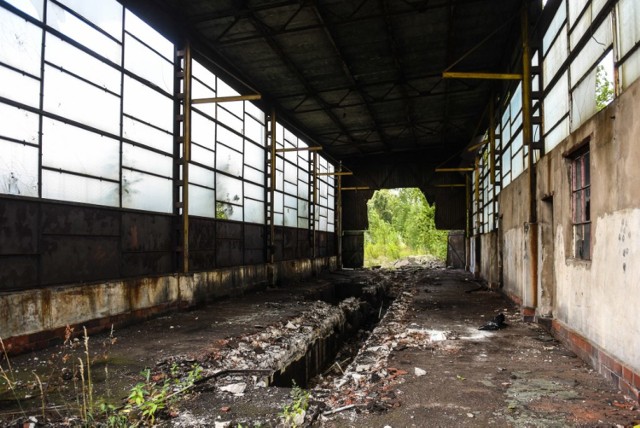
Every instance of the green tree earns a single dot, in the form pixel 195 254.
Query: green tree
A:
pixel 402 223
pixel 604 88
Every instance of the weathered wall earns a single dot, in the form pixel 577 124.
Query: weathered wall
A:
pixel 33 319
pixel 593 302
pixel 489 259
pixel 514 237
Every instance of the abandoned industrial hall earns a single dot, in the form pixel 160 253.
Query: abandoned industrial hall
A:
pixel 163 156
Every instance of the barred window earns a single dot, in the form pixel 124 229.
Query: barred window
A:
pixel 581 201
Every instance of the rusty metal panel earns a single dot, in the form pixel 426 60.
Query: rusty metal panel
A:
pixel 18 272
pixel 229 253
pixel 451 209
pixel 354 210
pixel 254 244
pixel 146 232
pixel 79 258
pixel 303 247
pixel 202 244
pixel 290 243
pixel 278 244
pixel 68 219
pixel 18 227
pixel 151 263
pixel 321 242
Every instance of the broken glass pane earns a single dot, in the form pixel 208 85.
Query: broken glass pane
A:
pixel 202 202
pixel 146 192
pixel 70 148
pixel 83 33
pixel 148 35
pixel 73 188
pixel 228 160
pixel 147 64
pixel 18 169
pixel 21 43
pixel 74 99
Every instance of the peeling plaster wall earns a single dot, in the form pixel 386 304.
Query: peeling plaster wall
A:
pixel 597 298
pixel 489 259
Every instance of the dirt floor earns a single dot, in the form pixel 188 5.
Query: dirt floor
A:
pixel 424 364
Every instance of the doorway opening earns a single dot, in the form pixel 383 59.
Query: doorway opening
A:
pixel 402 226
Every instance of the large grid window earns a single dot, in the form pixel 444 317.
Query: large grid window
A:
pixel 87 105
pixel 581 202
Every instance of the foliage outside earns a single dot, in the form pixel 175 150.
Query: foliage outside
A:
pixel 604 88
pixel 401 223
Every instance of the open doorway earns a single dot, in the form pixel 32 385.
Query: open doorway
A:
pixel 402 227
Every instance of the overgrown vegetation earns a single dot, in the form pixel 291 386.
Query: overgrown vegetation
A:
pixel 604 88
pixel 402 223
pixel 293 413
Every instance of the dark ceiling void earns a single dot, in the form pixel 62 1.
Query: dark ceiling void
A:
pixel 361 78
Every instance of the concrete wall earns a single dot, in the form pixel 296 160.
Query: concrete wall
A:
pixel 32 319
pixel 593 302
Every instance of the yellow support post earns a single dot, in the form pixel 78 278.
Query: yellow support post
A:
pixel 226 99
pixel 186 155
pixel 272 190
pixel 454 169
pixel 492 142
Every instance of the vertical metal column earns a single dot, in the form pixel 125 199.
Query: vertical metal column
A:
pixel 271 227
pixel 183 125
pixel 527 137
pixel 338 220
pixel 314 202
pixel 492 141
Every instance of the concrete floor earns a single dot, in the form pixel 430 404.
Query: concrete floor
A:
pixel 518 376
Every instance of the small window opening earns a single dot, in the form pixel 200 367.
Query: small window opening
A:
pixel 605 88
pixel 581 201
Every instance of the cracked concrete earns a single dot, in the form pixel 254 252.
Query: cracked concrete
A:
pixel 425 364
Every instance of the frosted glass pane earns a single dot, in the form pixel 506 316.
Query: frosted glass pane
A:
pixel 278 202
pixel 556 56
pixel 225 90
pixel 254 211
pixel 30 7
pixel 21 43
pixel 597 45
pixel 303 223
pixel 148 35
pixel 254 156
pixel 147 135
pixel 233 122
pixel 147 104
pixel 18 124
pixel 147 64
pixel 70 148
pixel 290 201
pixel 291 217
pixel 556 102
pixel 203 156
pixel 583 101
pixel 207 77
pixel 229 138
pixel 278 219
pixel 203 130
pixel 106 14
pixel 254 175
pixel 517 164
pixel 554 137
pixel 198 90
pixel 253 191
pixel 228 160
pixel 18 169
pixel 73 27
pixel 580 28
pixel 303 208
pixel 18 87
pixel 290 172
pixel 630 70
pixel 201 176
pixel 74 99
pixel 146 160
pixel 254 111
pixel 575 7
pixel 554 27
pixel 78 62
pixel 73 188
pixel 202 202
pixel 303 190
pixel 628 25
pixel 290 188
pixel 229 189
pixel 254 130
pixel 146 192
